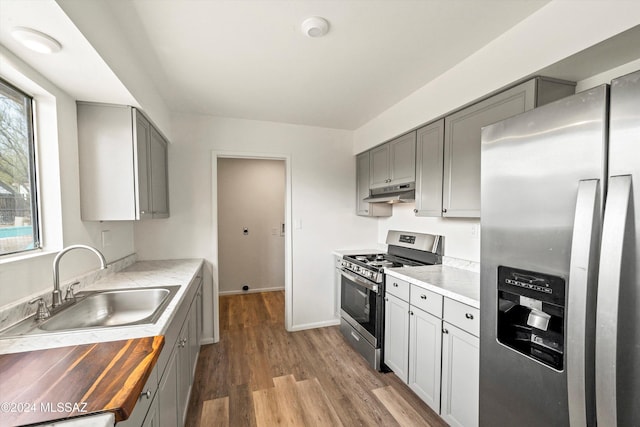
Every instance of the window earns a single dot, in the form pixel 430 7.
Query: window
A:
pixel 18 198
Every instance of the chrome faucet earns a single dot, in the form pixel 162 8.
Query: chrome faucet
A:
pixel 56 296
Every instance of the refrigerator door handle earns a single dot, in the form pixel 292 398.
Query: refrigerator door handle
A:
pixel 582 280
pixel 609 278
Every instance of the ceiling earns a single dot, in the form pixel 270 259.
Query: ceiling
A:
pixel 249 59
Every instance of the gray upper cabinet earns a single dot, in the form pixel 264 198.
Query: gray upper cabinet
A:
pixel 394 162
pixel 123 164
pixel 461 180
pixel 429 164
pixel 362 189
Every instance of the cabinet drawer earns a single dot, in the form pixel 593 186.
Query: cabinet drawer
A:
pixel 428 301
pixel 462 316
pixel 397 287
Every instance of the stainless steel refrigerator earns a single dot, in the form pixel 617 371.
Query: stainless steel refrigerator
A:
pixel 560 277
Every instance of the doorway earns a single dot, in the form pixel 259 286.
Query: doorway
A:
pixel 251 225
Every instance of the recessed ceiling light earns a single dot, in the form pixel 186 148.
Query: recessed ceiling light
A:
pixel 315 26
pixel 36 40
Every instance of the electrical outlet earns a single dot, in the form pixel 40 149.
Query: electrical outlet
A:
pixel 106 238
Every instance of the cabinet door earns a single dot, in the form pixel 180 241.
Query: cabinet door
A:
pixel 143 171
pixel 153 416
pixel 194 343
pixel 159 178
pixel 429 167
pixel 460 377
pixel 425 351
pixel 461 191
pixel 379 166
pixel 402 159
pixel 362 190
pixel 396 336
pixel 183 362
pixel 168 393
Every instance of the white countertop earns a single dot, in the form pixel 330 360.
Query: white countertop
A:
pixel 140 274
pixel 454 283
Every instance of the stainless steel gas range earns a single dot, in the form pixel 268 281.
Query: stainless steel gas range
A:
pixel 362 288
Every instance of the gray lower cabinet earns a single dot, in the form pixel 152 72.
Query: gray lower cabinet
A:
pixel 364 208
pixel 393 162
pixel 173 374
pixel 431 343
pixel 429 166
pixel 461 179
pixel 123 164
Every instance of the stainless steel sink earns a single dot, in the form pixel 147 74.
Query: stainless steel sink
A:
pixel 103 309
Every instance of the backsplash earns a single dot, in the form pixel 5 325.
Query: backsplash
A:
pixel 13 313
pixel 461 264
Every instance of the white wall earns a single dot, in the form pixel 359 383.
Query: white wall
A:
pixel 24 276
pixel 251 195
pixel 323 202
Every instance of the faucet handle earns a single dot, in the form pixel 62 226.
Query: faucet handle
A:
pixel 70 296
pixel 43 312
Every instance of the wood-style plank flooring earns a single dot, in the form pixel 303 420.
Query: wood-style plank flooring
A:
pixel 261 375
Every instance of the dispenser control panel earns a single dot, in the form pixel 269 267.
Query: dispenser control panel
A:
pixel 531 312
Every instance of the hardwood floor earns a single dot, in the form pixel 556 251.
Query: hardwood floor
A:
pixel 261 375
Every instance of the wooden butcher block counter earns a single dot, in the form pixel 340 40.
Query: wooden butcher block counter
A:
pixel 54 384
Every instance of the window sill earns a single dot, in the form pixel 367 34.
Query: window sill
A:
pixel 6 259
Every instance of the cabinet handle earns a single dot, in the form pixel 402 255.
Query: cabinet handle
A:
pixel 415 211
pixel 411 312
pixel 468 316
pixel 356 337
pixel 146 394
pixel 395 285
pixel 423 297
pixel 143 212
pixel 445 331
pixel 386 299
pixel 444 210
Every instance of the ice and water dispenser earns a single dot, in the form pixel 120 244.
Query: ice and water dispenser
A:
pixel 531 310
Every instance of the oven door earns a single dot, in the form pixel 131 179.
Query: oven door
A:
pixel 361 306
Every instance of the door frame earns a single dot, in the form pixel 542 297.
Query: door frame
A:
pixel 288 266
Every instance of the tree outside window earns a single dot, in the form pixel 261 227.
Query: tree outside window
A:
pixel 18 213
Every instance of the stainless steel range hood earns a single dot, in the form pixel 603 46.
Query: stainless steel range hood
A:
pixel 400 193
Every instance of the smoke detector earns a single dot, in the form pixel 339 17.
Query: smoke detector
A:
pixel 315 26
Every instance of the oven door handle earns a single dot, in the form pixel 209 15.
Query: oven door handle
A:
pixel 360 281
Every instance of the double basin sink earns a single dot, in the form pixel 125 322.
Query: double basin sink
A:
pixel 102 309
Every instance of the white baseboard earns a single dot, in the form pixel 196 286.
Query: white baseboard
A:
pixel 323 324
pixel 251 291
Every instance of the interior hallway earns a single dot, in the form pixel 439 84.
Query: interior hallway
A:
pixel 261 375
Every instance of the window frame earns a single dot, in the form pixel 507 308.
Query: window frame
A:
pixel 32 157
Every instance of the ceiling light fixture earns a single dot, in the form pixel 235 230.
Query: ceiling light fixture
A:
pixel 315 26
pixel 36 40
